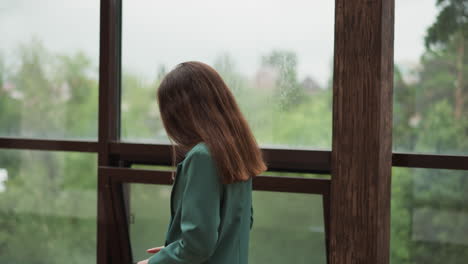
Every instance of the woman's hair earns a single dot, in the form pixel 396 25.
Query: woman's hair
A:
pixel 196 105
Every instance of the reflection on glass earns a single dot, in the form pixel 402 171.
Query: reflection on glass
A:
pixel 275 57
pixel 47 207
pixel 48 68
pixel 429 216
pixel 430 90
pixel 288 228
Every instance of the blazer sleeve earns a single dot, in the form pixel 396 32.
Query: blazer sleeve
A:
pixel 200 215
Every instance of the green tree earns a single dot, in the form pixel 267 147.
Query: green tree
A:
pixel 49 203
pixel 429 117
pixel 450 30
pixel 289 92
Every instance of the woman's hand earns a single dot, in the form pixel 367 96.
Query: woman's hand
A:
pixel 154 250
pixel 150 250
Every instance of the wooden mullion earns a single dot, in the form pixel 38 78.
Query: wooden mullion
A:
pixel 362 132
pixel 109 127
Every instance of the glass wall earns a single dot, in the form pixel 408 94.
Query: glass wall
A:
pixel 429 206
pixel 288 228
pixel 49 54
pixel 429 216
pixel 431 88
pixel 47 207
pixel 276 57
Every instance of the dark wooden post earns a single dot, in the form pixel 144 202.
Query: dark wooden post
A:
pixel 109 249
pixel 362 132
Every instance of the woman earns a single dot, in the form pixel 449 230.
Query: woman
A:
pixel 211 199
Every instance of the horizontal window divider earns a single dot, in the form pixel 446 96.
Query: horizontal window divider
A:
pixel 260 183
pixel 430 161
pixel 291 160
pixel 49 144
pixel 288 160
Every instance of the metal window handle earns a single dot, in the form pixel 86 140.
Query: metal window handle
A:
pixel 132 218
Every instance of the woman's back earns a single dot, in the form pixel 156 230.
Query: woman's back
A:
pixel 210 221
pixel 211 200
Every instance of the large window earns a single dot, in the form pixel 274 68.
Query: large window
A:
pixel 290 221
pixel 276 57
pixel 429 206
pixel 278 67
pixel 47 207
pixel 49 69
pixel 430 86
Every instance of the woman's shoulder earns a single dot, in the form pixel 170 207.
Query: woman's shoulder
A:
pixel 200 147
pixel 199 151
pixel 199 162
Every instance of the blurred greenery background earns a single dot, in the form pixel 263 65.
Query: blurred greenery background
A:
pixel 48 199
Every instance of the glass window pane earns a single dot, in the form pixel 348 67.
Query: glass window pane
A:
pixel 49 56
pixel 430 88
pixel 288 228
pixel 47 207
pixel 429 216
pixel 276 57
pixel 149 217
pixel 273 238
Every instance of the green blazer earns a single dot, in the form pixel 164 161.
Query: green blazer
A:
pixel 210 221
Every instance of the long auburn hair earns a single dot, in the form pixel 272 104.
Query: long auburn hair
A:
pixel 196 105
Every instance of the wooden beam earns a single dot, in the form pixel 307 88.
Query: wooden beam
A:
pixel 362 132
pixel 109 248
pixel 297 160
pixel 430 161
pixel 48 144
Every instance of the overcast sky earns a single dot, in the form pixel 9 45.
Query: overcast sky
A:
pixel 168 32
